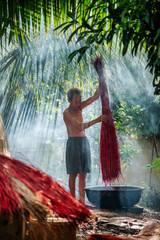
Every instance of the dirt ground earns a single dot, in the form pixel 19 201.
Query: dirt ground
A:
pixel 117 222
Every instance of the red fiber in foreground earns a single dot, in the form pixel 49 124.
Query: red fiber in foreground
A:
pixel 104 237
pixel 48 191
pixel 109 148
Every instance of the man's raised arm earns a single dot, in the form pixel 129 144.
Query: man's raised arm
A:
pixel 91 99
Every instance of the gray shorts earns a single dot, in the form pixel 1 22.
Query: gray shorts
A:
pixel 78 156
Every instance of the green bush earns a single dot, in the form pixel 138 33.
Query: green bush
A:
pixel 151 198
pixel 155 165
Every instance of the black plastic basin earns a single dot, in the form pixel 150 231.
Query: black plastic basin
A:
pixel 114 197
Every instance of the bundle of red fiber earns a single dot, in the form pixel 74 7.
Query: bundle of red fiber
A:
pixel 16 177
pixel 109 148
pixel 103 237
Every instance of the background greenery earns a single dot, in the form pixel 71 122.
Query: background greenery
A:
pixel 36 74
pixel 34 96
pixel 131 24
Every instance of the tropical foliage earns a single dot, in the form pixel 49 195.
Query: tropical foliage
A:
pixel 134 24
pixel 151 198
pixel 155 165
pixel 35 82
pixel 38 76
pixel 35 75
pixel 27 14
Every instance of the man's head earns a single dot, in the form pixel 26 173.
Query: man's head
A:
pixel 74 97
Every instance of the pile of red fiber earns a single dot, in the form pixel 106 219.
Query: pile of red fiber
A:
pixel 51 194
pixel 109 148
pixel 103 237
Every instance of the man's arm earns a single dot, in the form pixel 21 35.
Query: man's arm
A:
pixel 91 99
pixel 82 126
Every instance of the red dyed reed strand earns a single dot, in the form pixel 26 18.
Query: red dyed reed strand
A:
pixel 109 149
pixel 49 191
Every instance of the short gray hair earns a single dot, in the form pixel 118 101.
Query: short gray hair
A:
pixel 73 91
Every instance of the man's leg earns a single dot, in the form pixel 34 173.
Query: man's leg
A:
pixel 72 179
pixel 82 184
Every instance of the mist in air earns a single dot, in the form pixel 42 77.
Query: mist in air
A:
pixel 34 122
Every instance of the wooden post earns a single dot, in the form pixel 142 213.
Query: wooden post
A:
pixel 157 155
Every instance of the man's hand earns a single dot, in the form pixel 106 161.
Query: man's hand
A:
pixel 103 118
pixel 96 94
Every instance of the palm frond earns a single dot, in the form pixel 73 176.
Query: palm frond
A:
pixel 27 14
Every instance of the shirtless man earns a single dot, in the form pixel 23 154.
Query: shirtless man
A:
pixel 78 158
